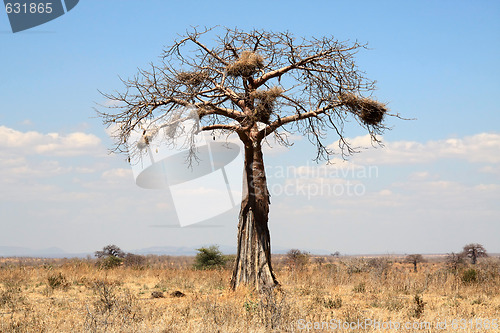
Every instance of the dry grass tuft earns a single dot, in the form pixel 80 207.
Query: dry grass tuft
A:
pixel 371 112
pixel 247 64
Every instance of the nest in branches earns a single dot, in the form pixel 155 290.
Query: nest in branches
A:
pixel 264 102
pixel 371 112
pixel 192 78
pixel 247 64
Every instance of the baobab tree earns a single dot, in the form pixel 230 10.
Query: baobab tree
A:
pixel 414 259
pixel 260 85
pixel 474 251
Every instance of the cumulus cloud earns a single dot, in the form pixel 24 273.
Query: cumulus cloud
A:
pixel 117 175
pixel 52 144
pixel 478 148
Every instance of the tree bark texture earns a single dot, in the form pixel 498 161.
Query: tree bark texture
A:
pixel 253 259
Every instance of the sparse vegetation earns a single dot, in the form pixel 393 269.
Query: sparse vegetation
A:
pixel 169 295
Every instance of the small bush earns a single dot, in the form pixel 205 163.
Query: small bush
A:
pixel 297 259
pixel 333 303
pixel 230 260
pixel 356 265
pixel 107 295
pixel 418 308
pixel 359 288
pixel 134 260
pixel 57 281
pixel 469 276
pixel 250 306
pixel 209 258
pixel 454 261
pixel 379 266
pixel 109 262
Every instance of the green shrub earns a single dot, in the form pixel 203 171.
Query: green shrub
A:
pixel 209 258
pixel 110 262
pixel 469 276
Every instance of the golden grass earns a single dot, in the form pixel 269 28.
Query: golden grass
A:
pixel 75 296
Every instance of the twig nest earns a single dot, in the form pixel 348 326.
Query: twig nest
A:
pixel 172 126
pixel 192 78
pixel 247 64
pixel 264 102
pixel 371 112
pixel 143 142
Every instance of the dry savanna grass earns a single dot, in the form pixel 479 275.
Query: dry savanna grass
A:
pixel 168 295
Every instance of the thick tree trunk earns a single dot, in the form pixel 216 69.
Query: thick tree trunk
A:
pixel 253 259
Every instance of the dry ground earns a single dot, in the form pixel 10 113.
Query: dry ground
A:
pixel 73 295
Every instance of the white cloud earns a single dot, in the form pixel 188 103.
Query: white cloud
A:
pixel 495 170
pixel 53 144
pixel 117 174
pixel 43 169
pixel 478 148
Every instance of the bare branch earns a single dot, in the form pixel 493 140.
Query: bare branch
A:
pixel 311 87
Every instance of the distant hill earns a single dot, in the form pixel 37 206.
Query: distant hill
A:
pixel 16 251
pixel 191 251
pixel 55 252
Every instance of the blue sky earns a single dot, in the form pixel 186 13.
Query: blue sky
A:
pixel 438 181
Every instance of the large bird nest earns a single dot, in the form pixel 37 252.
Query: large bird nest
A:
pixel 247 64
pixel 264 102
pixel 371 112
pixel 192 78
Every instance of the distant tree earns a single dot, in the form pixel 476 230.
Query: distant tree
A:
pixel 209 258
pixel 414 259
pixel 297 259
pixel 134 260
pixel 335 254
pixel 454 261
pixel 474 251
pixel 110 251
pixel 111 256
